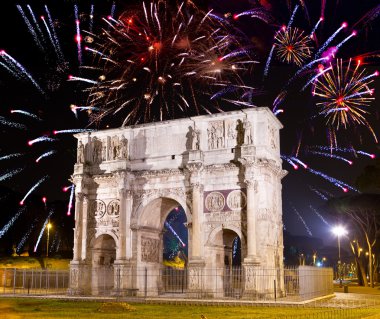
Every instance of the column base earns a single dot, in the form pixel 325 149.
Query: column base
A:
pixel 79 282
pixel 196 278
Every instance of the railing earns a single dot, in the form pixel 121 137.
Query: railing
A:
pixel 33 281
pixel 228 283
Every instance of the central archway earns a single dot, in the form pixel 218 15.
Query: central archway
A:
pixel 164 266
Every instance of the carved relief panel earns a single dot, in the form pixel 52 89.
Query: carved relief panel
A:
pixel 150 249
pixel 107 215
pixel 215 134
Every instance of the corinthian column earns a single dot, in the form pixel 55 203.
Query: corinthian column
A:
pixel 78 226
pixel 122 225
pixel 85 208
pixel 197 220
pixel 252 200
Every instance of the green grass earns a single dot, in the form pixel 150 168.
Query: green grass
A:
pixel 19 308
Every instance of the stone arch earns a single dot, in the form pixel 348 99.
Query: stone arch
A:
pixel 150 201
pixel 103 256
pixel 215 231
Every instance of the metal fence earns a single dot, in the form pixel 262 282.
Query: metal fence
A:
pixel 33 281
pixel 228 283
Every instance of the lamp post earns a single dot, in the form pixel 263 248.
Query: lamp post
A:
pixel 339 231
pixel 48 226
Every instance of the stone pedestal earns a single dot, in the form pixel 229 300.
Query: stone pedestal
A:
pixel 124 279
pixel 80 278
pixel 196 278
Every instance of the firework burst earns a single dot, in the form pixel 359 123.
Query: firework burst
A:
pixel 160 62
pixel 293 46
pixel 345 94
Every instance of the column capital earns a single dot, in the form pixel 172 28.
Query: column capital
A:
pixel 195 167
pixel 251 184
pixel 197 186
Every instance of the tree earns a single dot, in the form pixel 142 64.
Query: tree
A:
pixel 362 212
pixel 369 180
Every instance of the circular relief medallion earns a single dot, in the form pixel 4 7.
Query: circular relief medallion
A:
pixel 215 202
pixel 99 208
pixel 236 200
pixel 113 208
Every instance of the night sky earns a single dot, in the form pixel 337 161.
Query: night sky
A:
pixel 299 117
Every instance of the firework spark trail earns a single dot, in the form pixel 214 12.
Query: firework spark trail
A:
pixel 75 108
pixel 96 52
pixel 33 188
pixel 41 139
pixel 25 237
pixel 76 78
pixel 306 67
pixel 295 159
pixel 9 59
pixel 346 39
pixel 54 34
pixel 278 112
pixel 70 200
pixel 91 18
pixel 41 34
pixel 315 27
pixel 73 131
pixel 49 153
pixel 331 156
pixel 374 74
pixel 286 158
pixel 318 193
pixel 266 70
pixel 9 156
pixel 13 72
pixel 113 9
pixel 292 17
pixel 50 36
pixel 78 37
pixel 10 223
pixel 344 150
pixel 30 27
pixel 333 181
pixel 10 174
pixel 328 41
pixel 302 220
pixel 257 13
pixel 319 215
pixel 42 230
pixel 315 77
pixel 27 114
pixel 174 233
pixel 19 126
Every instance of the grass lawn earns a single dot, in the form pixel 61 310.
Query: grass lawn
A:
pixel 18 308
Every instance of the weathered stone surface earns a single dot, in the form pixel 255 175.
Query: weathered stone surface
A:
pixel 223 169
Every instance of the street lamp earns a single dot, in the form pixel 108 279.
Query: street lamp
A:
pixel 48 226
pixel 339 231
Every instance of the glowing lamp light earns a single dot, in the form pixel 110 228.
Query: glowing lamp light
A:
pixel 339 231
pixel 344 25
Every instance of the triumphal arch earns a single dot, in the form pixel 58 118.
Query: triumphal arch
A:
pixel 224 170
